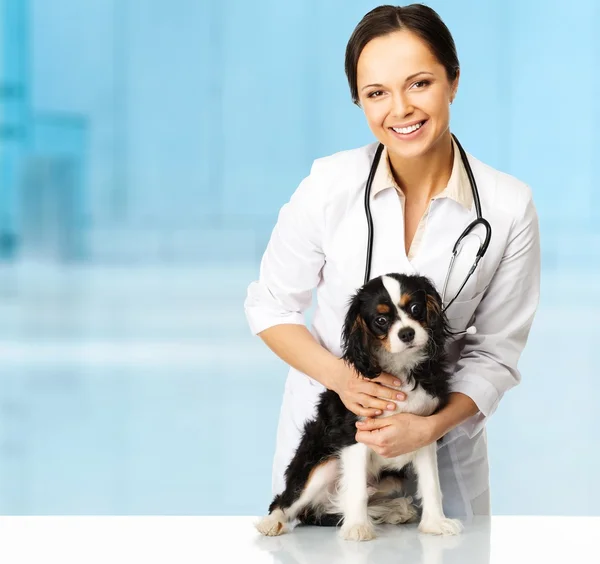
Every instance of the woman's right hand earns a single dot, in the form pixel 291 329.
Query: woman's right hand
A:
pixel 363 396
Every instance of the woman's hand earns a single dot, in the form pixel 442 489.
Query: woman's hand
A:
pixel 363 396
pixel 396 434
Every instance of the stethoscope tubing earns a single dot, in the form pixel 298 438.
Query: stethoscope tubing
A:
pixel 480 220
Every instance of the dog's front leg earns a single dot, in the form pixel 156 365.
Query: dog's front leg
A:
pixel 433 519
pixel 353 495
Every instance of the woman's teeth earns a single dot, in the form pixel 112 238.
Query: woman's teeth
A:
pixel 406 130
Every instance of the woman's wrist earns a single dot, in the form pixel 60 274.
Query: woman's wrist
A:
pixel 333 373
pixel 458 409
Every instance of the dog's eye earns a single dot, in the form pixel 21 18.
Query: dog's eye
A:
pixel 381 321
pixel 416 309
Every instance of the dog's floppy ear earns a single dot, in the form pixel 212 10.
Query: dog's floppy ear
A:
pixel 436 318
pixel 357 341
pixel 434 310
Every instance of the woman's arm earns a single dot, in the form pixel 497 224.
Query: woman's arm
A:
pixel 487 367
pixel 275 303
pixel 458 410
pixel 296 346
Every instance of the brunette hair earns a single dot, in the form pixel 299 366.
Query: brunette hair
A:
pixel 383 20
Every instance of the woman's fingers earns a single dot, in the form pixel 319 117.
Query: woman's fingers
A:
pixel 394 394
pixel 378 394
pixel 387 379
pixel 376 403
pixel 380 391
pixel 370 398
pixel 365 411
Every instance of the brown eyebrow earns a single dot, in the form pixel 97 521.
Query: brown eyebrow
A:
pixel 407 79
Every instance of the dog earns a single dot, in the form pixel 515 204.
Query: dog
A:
pixel 394 323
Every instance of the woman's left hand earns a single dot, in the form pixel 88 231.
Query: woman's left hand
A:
pixel 395 434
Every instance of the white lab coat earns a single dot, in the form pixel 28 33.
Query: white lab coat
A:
pixel 320 242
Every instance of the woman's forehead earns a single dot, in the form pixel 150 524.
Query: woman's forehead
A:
pixel 395 57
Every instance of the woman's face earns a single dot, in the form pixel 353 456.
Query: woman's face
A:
pixel 400 84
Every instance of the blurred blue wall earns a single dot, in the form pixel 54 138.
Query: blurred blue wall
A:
pixel 146 148
pixel 202 119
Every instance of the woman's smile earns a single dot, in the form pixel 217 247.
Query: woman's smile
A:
pixel 408 133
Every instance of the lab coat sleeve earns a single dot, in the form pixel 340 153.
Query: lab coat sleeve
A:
pixel 291 264
pixel 487 367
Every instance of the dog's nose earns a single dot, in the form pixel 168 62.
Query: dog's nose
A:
pixel 406 334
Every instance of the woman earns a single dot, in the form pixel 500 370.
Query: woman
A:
pixel 403 72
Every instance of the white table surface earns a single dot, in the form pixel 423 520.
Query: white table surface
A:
pixel 495 540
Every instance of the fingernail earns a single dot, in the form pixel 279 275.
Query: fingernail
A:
pixel 400 396
pixel 361 423
pixel 397 382
pixel 378 412
pixel 391 406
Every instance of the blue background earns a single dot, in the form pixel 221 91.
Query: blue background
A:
pixel 146 147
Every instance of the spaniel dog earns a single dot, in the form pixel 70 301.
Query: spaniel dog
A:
pixel 394 324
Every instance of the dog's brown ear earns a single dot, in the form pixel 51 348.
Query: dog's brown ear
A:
pixel 358 341
pixel 436 318
pixel 434 310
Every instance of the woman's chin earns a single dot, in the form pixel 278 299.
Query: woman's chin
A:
pixel 415 151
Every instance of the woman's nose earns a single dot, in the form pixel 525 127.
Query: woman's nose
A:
pixel 402 105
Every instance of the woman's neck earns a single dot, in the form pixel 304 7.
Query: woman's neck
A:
pixel 422 178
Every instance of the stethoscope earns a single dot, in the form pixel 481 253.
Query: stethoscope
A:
pixel 480 220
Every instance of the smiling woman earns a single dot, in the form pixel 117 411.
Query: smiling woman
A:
pixel 403 72
pixel 407 111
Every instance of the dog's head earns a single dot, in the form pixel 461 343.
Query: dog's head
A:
pixel 394 314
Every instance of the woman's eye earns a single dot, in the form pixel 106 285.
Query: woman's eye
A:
pixel 381 320
pixel 371 95
pixel 422 82
pixel 416 309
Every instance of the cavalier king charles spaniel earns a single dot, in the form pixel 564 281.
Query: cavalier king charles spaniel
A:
pixel 394 324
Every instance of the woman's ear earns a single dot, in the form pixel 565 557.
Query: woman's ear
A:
pixel 357 342
pixel 455 86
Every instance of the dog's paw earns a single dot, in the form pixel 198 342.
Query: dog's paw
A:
pixel 358 532
pixel 441 526
pixel 272 525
